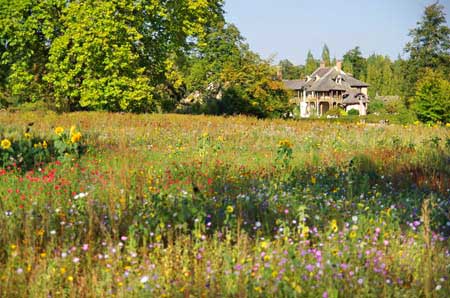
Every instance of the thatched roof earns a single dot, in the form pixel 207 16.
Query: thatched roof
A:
pixel 354 98
pixel 326 79
pixel 294 84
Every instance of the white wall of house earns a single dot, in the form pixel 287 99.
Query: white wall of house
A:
pixel 364 90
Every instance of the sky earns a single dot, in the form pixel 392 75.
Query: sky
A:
pixel 287 29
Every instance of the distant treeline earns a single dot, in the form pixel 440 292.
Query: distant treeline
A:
pixel 176 56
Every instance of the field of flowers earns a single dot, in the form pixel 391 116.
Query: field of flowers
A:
pixel 121 205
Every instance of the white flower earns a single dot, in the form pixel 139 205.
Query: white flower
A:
pixel 80 195
pixel 52 232
pixel 354 218
pixel 257 224
pixel 144 279
pixel 438 287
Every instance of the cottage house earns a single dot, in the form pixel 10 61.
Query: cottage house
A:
pixel 326 88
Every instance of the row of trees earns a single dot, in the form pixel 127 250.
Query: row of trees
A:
pixel 130 55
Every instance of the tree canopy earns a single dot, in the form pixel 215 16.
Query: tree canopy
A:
pixel 354 61
pixel 326 55
pixel 311 63
pixel 98 54
pixel 429 46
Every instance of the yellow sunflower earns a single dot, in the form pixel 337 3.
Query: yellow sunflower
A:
pixel 5 144
pixel 76 137
pixel 59 130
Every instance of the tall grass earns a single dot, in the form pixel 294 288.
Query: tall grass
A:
pixel 196 206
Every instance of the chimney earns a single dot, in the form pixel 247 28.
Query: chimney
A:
pixel 279 73
pixel 322 64
pixel 339 64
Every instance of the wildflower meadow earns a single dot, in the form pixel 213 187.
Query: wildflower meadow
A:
pixel 121 205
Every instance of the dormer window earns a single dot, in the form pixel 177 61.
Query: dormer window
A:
pixel 338 80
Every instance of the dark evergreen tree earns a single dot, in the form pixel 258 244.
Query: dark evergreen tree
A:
pixel 326 55
pixel 429 47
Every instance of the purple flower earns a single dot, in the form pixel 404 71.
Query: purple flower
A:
pixel 325 294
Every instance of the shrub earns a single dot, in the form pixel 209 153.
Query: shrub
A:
pixel 334 112
pixel 432 99
pixel 353 112
pixel 377 105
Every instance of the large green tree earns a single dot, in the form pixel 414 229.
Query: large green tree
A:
pixel 429 47
pixel 95 63
pixel 27 31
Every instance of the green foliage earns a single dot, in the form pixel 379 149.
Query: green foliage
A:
pixel 27 30
pixel 377 105
pixel 111 55
pixel 230 79
pixel 347 66
pixel 291 71
pixel 353 112
pixel 429 47
pixel 380 76
pixel 394 105
pixel 337 112
pixel 95 63
pixel 284 153
pixel 326 55
pixel 311 64
pixel 67 145
pixel 358 64
pixel 432 98
pixel 26 151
